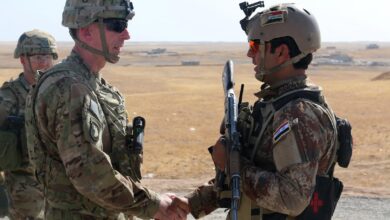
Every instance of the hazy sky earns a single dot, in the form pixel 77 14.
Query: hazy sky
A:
pixel 203 20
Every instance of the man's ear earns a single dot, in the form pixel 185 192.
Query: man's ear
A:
pixel 22 59
pixel 283 53
pixel 85 33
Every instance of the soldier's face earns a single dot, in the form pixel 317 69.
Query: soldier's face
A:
pixel 255 53
pixel 268 60
pixel 116 35
pixel 115 38
pixel 38 62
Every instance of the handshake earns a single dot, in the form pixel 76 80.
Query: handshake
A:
pixel 172 207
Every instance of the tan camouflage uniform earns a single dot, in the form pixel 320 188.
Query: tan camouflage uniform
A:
pixel 26 197
pixel 281 177
pixel 82 158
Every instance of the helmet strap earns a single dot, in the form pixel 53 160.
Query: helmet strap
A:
pixel 260 73
pixel 109 57
pixel 105 53
pixel 28 61
pixel 263 71
pixel 35 74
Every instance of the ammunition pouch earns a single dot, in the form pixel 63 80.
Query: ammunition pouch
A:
pixel 245 123
pixel 11 152
pixel 344 152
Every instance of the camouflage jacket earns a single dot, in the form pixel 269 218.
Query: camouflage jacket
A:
pixel 79 149
pixel 12 102
pixel 281 157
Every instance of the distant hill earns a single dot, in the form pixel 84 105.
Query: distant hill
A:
pixel 383 76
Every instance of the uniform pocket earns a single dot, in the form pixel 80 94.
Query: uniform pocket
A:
pixel 10 151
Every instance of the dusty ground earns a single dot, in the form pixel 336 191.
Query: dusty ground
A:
pixel 183 107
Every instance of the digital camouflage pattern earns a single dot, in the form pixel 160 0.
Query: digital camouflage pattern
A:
pixel 76 125
pixel 297 144
pixel 36 42
pixel 79 14
pixel 25 194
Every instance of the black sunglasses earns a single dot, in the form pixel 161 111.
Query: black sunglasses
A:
pixel 116 25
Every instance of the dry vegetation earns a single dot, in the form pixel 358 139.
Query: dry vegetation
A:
pixel 183 107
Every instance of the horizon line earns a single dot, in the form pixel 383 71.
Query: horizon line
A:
pixel 70 41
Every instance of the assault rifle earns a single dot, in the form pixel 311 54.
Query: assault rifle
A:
pixel 232 136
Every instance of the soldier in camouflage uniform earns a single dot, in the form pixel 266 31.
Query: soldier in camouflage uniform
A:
pixel 78 125
pixel 285 147
pixel 36 50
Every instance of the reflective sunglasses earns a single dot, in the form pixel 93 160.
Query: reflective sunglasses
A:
pixel 116 25
pixel 254 45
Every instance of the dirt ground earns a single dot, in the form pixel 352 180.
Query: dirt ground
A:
pixel 183 107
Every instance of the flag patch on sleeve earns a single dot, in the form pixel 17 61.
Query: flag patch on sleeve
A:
pixel 282 130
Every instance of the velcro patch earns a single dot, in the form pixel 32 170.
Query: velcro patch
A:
pixel 273 17
pixel 282 130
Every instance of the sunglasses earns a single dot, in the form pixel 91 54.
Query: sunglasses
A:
pixel 116 25
pixel 254 45
pixel 40 57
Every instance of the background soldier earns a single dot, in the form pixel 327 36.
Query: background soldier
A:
pixel 288 140
pixel 77 125
pixel 36 50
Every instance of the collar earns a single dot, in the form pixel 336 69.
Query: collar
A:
pixel 93 78
pixel 273 91
pixel 24 82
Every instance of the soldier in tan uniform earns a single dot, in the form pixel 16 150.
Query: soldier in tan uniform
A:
pixel 36 50
pixel 288 138
pixel 78 136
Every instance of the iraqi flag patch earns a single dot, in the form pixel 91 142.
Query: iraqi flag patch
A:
pixel 273 17
pixel 282 130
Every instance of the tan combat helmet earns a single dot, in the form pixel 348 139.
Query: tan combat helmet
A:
pixel 284 20
pixel 81 13
pixel 36 42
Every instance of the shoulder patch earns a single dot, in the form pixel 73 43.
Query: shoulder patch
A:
pixel 282 130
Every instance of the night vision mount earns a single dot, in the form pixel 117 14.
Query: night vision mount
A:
pixel 248 10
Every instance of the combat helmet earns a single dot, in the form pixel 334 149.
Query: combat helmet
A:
pixel 36 42
pixel 81 13
pixel 283 20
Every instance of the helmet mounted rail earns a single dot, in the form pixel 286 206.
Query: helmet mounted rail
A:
pixel 248 10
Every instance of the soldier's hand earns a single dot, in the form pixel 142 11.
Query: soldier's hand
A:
pixel 165 212
pixel 219 154
pixel 180 204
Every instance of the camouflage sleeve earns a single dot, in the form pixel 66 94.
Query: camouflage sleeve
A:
pixel 7 104
pixel 77 130
pixel 203 200
pixel 300 136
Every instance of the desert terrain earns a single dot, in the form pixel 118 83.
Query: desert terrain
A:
pixel 183 107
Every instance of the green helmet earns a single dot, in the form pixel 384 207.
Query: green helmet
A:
pixel 36 42
pixel 81 13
